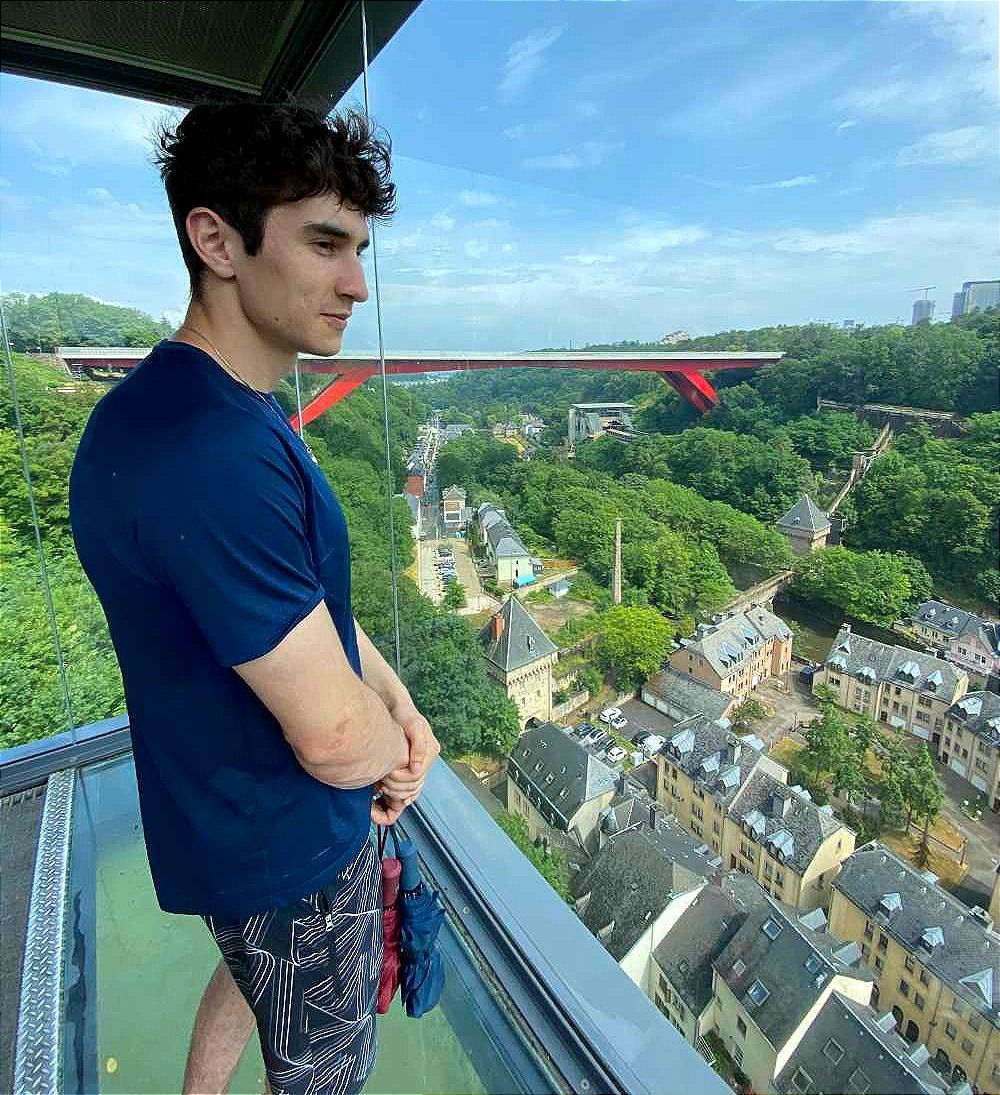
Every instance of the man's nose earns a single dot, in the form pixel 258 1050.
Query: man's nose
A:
pixel 353 284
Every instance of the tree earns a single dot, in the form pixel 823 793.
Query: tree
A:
pixel 633 642
pixel 454 595
pixel 922 795
pixel 551 865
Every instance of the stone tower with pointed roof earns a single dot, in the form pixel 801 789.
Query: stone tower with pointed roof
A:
pixel 805 526
pixel 520 657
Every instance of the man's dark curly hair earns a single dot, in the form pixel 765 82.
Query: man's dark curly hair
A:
pixel 241 159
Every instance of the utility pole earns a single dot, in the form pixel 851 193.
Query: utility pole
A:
pixel 616 591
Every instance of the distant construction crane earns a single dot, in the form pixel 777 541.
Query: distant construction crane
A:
pixel 925 289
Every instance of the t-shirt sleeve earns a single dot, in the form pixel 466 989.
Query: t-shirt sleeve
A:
pixel 228 533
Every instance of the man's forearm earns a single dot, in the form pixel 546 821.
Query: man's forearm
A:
pixel 372 746
pixel 377 672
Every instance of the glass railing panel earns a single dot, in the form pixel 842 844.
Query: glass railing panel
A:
pixel 134 976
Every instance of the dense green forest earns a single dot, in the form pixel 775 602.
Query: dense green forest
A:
pixel 349 444
pixel 41 323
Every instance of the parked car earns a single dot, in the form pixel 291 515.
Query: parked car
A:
pixel 609 713
pixel 583 728
pixel 603 741
pixel 638 739
pixel 619 723
pixel 616 754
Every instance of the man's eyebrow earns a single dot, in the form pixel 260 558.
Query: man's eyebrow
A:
pixel 324 228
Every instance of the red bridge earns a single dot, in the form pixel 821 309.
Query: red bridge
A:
pixel 684 371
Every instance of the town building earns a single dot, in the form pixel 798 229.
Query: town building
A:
pixel 995 898
pixel 454 430
pixel 590 420
pixel 680 697
pixel 454 514
pixel 682 975
pixel 850 1047
pixel 805 526
pixel 901 688
pixel 771 980
pixel 630 896
pixel 553 782
pixel 734 653
pixel 961 637
pixel 923 312
pixel 936 962
pixel 724 790
pixel 970 745
pixel 504 548
pixel 791 846
pixel 520 657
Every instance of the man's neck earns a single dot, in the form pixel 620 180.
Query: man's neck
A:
pixel 258 363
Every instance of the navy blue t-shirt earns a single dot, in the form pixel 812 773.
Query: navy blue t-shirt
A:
pixel 208 534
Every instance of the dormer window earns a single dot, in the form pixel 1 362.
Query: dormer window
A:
pixel 931 938
pixel 758 993
pixel 890 903
pixel 771 928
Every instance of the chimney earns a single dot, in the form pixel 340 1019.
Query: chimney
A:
pixel 497 627
pixel 652 816
pixel 616 578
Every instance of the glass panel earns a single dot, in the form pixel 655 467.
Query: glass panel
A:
pixel 135 976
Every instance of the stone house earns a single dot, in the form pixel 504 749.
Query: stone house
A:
pixel 520 657
pixel 805 526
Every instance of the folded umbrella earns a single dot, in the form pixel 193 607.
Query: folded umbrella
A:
pixel 420 915
pixel 391 957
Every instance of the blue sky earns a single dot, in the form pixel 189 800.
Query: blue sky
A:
pixel 573 172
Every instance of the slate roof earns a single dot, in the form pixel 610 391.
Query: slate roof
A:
pixel 792 963
pixel 968 958
pixel 687 951
pixel 847 1036
pixel 805 514
pixel 716 758
pixel 577 776
pixel 504 541
pixel 957 623
pixel 630 884
pixel 852 654
pixel 690 695
pixel 725 643
pixel 606 406
pixel 521 642
pixel 454 494
pixel 784 819
pixel 978 712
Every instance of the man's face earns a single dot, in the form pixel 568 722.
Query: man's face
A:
pixel 307 276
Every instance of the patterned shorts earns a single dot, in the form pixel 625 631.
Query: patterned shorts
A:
pixel 310 971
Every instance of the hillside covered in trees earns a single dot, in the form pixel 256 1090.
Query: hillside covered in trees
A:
pixel 40 323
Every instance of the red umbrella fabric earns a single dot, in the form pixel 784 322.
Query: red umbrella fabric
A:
pixel 391 957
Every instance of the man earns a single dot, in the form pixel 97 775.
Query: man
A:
pixel 268 732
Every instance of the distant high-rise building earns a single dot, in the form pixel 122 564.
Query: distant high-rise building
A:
pixel 980 295
pixel 957 305
pixel 923 311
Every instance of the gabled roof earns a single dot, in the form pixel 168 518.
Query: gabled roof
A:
pixel 805 514
pixel 701 934
pixel 717 759
pixel 521 641
pixel 454 494
pixel 784 819
pixel 778 968
pixel 848 1043
pixel 630 884
pixel 725 644
pixel 557 774
pixel 968 960
pixel 691 696
pixel 978 712
pixel 854 654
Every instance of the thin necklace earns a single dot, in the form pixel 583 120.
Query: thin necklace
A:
pixel 227 365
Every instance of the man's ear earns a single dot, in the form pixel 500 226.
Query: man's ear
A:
pixel 212 240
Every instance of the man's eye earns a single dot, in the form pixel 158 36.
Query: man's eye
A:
pixel 326 245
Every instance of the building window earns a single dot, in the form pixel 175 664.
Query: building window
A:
pixel 779 878
pixel 858 1083
pixel 904 988
pixel 758 992
pixel 883 941
pixel 738 1054
pixel 919 1001
pixel 951 1030
pixel 741 1027
pixel 924 978
pixel 909 963
pixel 974 1021
pixel 868 930
pixel 865 951
pixel 833 1051
pixel 967 1046
pixel 801 1082
pixel 879 964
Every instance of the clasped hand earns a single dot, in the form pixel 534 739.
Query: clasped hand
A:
pixel 401 787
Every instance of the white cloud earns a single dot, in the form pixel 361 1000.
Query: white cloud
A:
pixel 516 132
pixel 98 193
pixel 956 146
pixel 479 198
pixel 476 249
pixel 4 182
pixel 524 58
pixel 651 239
pixel 848 123
pixel 560 161
pixel 442 222
pixel 786 184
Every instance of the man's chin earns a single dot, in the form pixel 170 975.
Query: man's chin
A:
pixel 325 346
